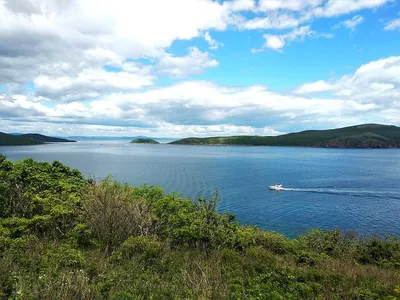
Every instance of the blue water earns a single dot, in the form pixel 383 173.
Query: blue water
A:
pixel 353 189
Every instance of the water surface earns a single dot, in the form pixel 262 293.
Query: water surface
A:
pixel 353 189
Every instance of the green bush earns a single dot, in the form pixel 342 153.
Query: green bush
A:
pixel 144 246
pixel 115 212
pixel 275 242
pixel 382 252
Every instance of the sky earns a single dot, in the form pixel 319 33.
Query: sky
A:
pixel 182 68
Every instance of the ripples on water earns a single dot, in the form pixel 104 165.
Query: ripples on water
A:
pixel 326 188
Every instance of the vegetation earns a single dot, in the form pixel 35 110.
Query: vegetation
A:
pixel 27 139
pixel 66 237
pixel 361 136
pixel 144 141
pixel 12 140
pixel 46 139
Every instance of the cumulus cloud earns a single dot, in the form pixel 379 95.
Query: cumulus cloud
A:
pixel 280 14
pixel 242 5
pixel 205 108
pixel 351 23
pixel 272 21
pixel 38 36
pixel 62 38
pixel 74 65
pixel 92 82
pixel 314 87
pixel 377 81
pixel 181 66
pixel 213 44
pixel 277 42
pixel 392 25
pixel 293 5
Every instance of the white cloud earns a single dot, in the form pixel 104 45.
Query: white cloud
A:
pixel 44 36
pixel 377 81
pixel 351 23
pixel 86 50
pixel 201 108
pixel 242 5
pixel 277 42
pixel 193 63
pixel 392 25
pixel 281 14
pixel 272 21
pixel 213 44
pixel 92 82
pixel 163 130
pixel 294 5
pixel 314 87
pixel 65 38
pixel 339 7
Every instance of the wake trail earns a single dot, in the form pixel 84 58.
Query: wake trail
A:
pixel 349 192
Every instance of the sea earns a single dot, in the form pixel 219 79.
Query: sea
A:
pixel 355 190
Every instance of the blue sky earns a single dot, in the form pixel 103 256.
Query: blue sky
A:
pixel 197 67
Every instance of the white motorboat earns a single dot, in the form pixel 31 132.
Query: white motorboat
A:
pixel 276 187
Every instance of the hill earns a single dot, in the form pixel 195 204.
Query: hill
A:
pixel 66 237
pixel 144 141
pixel 360 136
pixel 16 140
pixel 46 139
pixel 28 139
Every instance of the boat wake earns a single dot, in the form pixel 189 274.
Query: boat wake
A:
pixel 354 192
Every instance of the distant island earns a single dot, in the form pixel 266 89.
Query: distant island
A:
pixel 360 136
pixel 28 139
pixel 144 141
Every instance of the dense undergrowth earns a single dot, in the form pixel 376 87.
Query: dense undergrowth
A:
pixel 66 237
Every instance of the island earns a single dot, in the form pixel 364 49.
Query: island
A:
pixel 28 139
pixel 360 136
pixel 144 141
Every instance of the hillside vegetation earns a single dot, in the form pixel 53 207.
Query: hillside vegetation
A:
pixel 16 140
pixel 28 139
pixel 46 139
pixel 362 136
pixel 65 237
pixel 144 141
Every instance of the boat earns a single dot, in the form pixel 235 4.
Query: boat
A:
pixel 276 187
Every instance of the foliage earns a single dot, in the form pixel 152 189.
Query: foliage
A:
pixel 144 141
pixel 361 136
pixel 27 139
pixel 64 237
pixel 12 140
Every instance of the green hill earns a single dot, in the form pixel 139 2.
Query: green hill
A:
pixel 16 140
pixel 46 139
pixel 28 139
pixel 360 136
pixel 144 141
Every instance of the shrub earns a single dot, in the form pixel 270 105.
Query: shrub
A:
pixel 275 242
pixel 82 236
pixel 191 224
pixel 382 252
pixel 113 213
pixel 331 242
pixel 144 246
